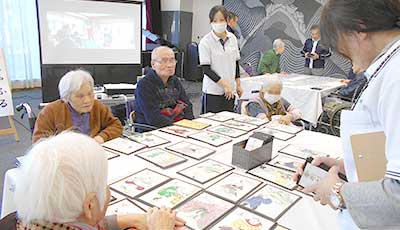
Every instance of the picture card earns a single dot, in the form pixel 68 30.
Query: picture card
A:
pixel 170 194
pixel 203 210
pixel 287 162
pixel 311 175
pixel 192 124
pixel 210 138
pixel 277 134
pixel 205 171
pixel 227 131
pixel 139 182
pixel 275 175
pixel 123 145
pixel 223 116
pixel 284 128
pixel 111 154
pixel 162 158
pixel 191 150
pixel 302 152
pixel 251 120
pixel 148 139
pixel 253 143
pixel 240 125
pixel 124 207
pixel 241 219
pixel 209 114
pixel 234 187
pixel 270 201
pixel 179 131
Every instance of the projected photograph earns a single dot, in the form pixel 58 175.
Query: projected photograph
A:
pixel 83 30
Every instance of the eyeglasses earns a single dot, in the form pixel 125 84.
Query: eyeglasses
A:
pixel 166 61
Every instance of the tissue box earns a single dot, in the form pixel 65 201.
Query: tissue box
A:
pixel 250 159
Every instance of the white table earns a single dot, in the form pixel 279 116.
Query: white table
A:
pixel 297 90
pixel 305 214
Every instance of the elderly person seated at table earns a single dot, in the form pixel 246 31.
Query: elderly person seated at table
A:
pixel 70 191
pixel 160 98
pixel 77 109
pixel 270 103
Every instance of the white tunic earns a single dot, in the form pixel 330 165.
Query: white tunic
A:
pixel 222 61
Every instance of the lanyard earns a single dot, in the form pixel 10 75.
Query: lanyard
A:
pixel 376 73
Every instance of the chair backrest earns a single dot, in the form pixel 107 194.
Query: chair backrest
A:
pixel 9 222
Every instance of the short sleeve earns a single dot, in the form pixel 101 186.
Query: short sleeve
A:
pixel 204 52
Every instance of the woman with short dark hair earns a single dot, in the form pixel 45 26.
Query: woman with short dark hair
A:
pixel 219 57
pixel 368 33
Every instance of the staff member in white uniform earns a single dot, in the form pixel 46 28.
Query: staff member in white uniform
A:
pixel 219 58
pixel 368 33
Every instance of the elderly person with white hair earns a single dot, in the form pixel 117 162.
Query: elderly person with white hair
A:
pixel 77 109
pixel 270 61
pixel 70 191
pixel 270 103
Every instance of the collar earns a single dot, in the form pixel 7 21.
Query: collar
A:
pixel 154 74
pixel 218 38
pixel 74 111
pixel 378 59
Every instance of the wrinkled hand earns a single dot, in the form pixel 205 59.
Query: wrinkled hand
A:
pixel 322 190
pixel 99 139
pixel 330 162
pixel 285 120
pixel 162 219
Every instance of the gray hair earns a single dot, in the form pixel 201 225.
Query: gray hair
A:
pixel 271 80
pixel 278 43
pixel 56 175
pixel 72 82
pixel 154 53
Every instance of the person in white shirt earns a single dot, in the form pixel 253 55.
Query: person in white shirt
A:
pixel 219 57
pixel 368 33
pixel 315 53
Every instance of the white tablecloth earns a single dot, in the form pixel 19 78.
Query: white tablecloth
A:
pixel 305 214
pixel 297 90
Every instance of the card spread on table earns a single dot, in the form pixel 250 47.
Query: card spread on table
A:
pixel 251 120
pixel 191 150
pixel 227 131
pixel 241 219
pixel 161 157
pixel 205 171
pixel 234 187
pixel 139 182
pixel 284 128
pixel 270 201
pixel 277 134
pixel 213 139
pixel 170 194
pixel 275 175
pixel 203 210
pixel 302 152
pixel 148 139
pixel 253 143
pixel 240 125
pixel 179 131
pixel 191 124
pixel 287 162
pixel 124 207
pixel 123 145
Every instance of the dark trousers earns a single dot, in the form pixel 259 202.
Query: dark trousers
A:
pixel 216 103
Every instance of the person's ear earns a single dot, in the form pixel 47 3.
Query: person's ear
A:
pixel 89 206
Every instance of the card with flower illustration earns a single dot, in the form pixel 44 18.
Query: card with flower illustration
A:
pixel 203 210
pixel 139 182
pixel 148 139
pixel 162 158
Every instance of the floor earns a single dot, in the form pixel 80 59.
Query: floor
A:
pixel 10 149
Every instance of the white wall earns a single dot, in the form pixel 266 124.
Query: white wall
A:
pixel 201 25
pixel 177 5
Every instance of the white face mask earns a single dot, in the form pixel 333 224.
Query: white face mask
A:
pixel 271 98
pixel 218 27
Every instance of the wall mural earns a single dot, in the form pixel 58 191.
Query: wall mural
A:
pixel 263 21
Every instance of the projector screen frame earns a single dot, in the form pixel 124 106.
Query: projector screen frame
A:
pixel 102 73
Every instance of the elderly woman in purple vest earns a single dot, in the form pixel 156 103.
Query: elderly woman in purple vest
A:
pixel 269 103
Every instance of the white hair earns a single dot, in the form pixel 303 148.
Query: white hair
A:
pixel 154 53
pixel 72 82
pixel 278 43
pixel 56 176
pixel 271 80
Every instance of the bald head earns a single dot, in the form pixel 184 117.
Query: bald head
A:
pixel 163 61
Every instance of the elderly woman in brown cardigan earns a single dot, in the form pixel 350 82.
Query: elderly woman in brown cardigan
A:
pixel 78 110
